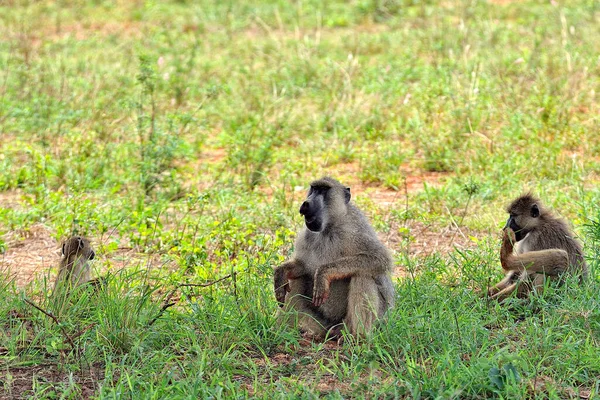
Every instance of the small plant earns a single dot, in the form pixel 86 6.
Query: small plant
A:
pixel 158 145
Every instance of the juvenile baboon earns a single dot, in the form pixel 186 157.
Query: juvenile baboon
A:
pixel 545 249
pixel 74 268
pixel 340 272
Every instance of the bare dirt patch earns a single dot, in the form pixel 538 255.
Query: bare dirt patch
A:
pixel 30 254
pixel 10 198
pixel 213 156
pixel 78 31
pixel 17 382
pixel 420 239
pixel 414 180
pixel 545 385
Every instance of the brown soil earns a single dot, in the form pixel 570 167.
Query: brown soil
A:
pixel 78 31
pixel 18 382
pixel 10 198
pixel 30 254
pixel 419 239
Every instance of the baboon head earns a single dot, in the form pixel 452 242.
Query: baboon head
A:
pixel 525 213
pixel 77 245
pixel 327 198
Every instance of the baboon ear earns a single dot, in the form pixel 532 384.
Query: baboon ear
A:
pixel 92 255
pixel 535 211
pixel 347 195
pixel 63 249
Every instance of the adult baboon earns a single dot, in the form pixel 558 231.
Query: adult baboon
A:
pixel 74 268
pixel 340 272
pixel 545 249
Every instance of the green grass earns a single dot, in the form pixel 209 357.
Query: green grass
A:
pixel 188 131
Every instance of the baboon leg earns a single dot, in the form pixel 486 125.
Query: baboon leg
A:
pixel 363 303
pixel 299 312
pixel 385 286
pixel 537 282
pixel 508 280
pixel 292 269
pixel 523 286
pixel 506 292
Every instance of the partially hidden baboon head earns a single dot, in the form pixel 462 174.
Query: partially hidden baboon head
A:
pixel 524 215
pixel 78 247
pixel 326 199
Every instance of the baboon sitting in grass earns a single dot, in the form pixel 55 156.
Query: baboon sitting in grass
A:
pixel 536 247
pixel 340 273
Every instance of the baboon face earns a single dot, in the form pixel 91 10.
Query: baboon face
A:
pixel 313 208
pixel 325 198
pixel 524 216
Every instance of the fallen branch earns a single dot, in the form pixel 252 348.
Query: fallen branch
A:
pixel 167 303
pixel 203 284
pixel 55 319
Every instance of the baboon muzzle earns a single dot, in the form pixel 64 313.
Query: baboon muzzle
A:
pixel 520 233
pixel 305 208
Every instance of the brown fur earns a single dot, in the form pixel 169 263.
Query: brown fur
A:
pixel 547 250
pixel 74 268
pixel 341 274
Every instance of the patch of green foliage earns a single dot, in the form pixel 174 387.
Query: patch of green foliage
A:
pixel 187 131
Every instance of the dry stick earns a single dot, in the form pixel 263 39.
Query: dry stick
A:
pixel 235 292
pixel 84 330
pixel 54 318
pixel 461 219
pixel 167 304
pixel 458 331
pixel 203 284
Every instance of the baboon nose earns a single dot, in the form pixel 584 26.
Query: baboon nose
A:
pixel 304 208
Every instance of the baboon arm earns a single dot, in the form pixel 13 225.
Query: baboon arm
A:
pixel 548 262
pixel 292 269
pixel 508 244
pixel 346 267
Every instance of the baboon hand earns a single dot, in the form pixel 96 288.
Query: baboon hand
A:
pixel 280 293
pixel 508 244
pixel 509 237
pixel 281 284
pixel 321 290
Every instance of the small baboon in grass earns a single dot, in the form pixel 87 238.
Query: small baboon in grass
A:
pixel 340 272
pixel 536 246
pixel 74 268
